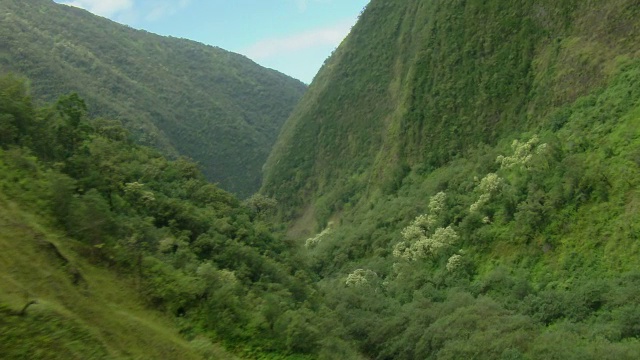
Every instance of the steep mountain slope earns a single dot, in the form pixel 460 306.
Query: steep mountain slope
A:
pixel 217 107
pixel 419 83
pixel 471 171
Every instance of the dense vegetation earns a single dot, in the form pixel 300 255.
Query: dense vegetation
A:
pixel 79 198
pixel 420 83
pixel 471 172
pixel 218 108
pixel 461 181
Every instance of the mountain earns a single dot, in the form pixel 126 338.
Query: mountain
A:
pixel 419 84
pixel 460 181
pixel 185 98
pixel 464 178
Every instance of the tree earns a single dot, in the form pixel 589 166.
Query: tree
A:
pixel 420 238
pixel 72 110
pixel 16 109
pixel 260 204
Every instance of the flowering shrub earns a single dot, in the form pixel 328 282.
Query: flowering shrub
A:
pixel 522 153
pixel 420 240
pixel 489 185
pixel 313 241
pixel 359 277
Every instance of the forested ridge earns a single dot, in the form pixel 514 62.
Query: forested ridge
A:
pixel 460 181
pixel 418 84
pixel 464 176
pixel 182 97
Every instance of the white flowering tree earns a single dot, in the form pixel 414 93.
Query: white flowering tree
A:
pixel 360 277
pixel 522 156
pixel 488 187
pixel 316 239
pixel 522 153
pixel 421 240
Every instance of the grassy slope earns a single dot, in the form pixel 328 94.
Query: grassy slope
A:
pixel 217 107
pixel 83 311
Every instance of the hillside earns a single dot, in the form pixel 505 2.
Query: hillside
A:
pixel 418 84
pixel 185 98
pixel 82 311
pixel 129 254
pixel 460 181
pixel 464 178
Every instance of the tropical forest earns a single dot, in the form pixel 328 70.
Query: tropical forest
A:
pixel 460 180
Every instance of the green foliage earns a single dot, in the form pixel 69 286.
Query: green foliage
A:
pixel 558 224
pixel 81 311
pixel 218 108
pixel 526 115
pixel 56 338
pixel 193 251
pixel 419 84
pixel 15 104
pixel 260 205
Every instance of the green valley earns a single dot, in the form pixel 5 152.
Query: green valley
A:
pixel 218 108
pixel 119 252
pixel 460 181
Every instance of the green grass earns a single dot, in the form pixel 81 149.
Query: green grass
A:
pixel 100 316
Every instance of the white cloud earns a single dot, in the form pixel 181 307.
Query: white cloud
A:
pixel 330 35
pixel 106 8
pixel 165 8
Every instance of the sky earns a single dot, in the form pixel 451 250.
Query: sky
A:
pixel 291 36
